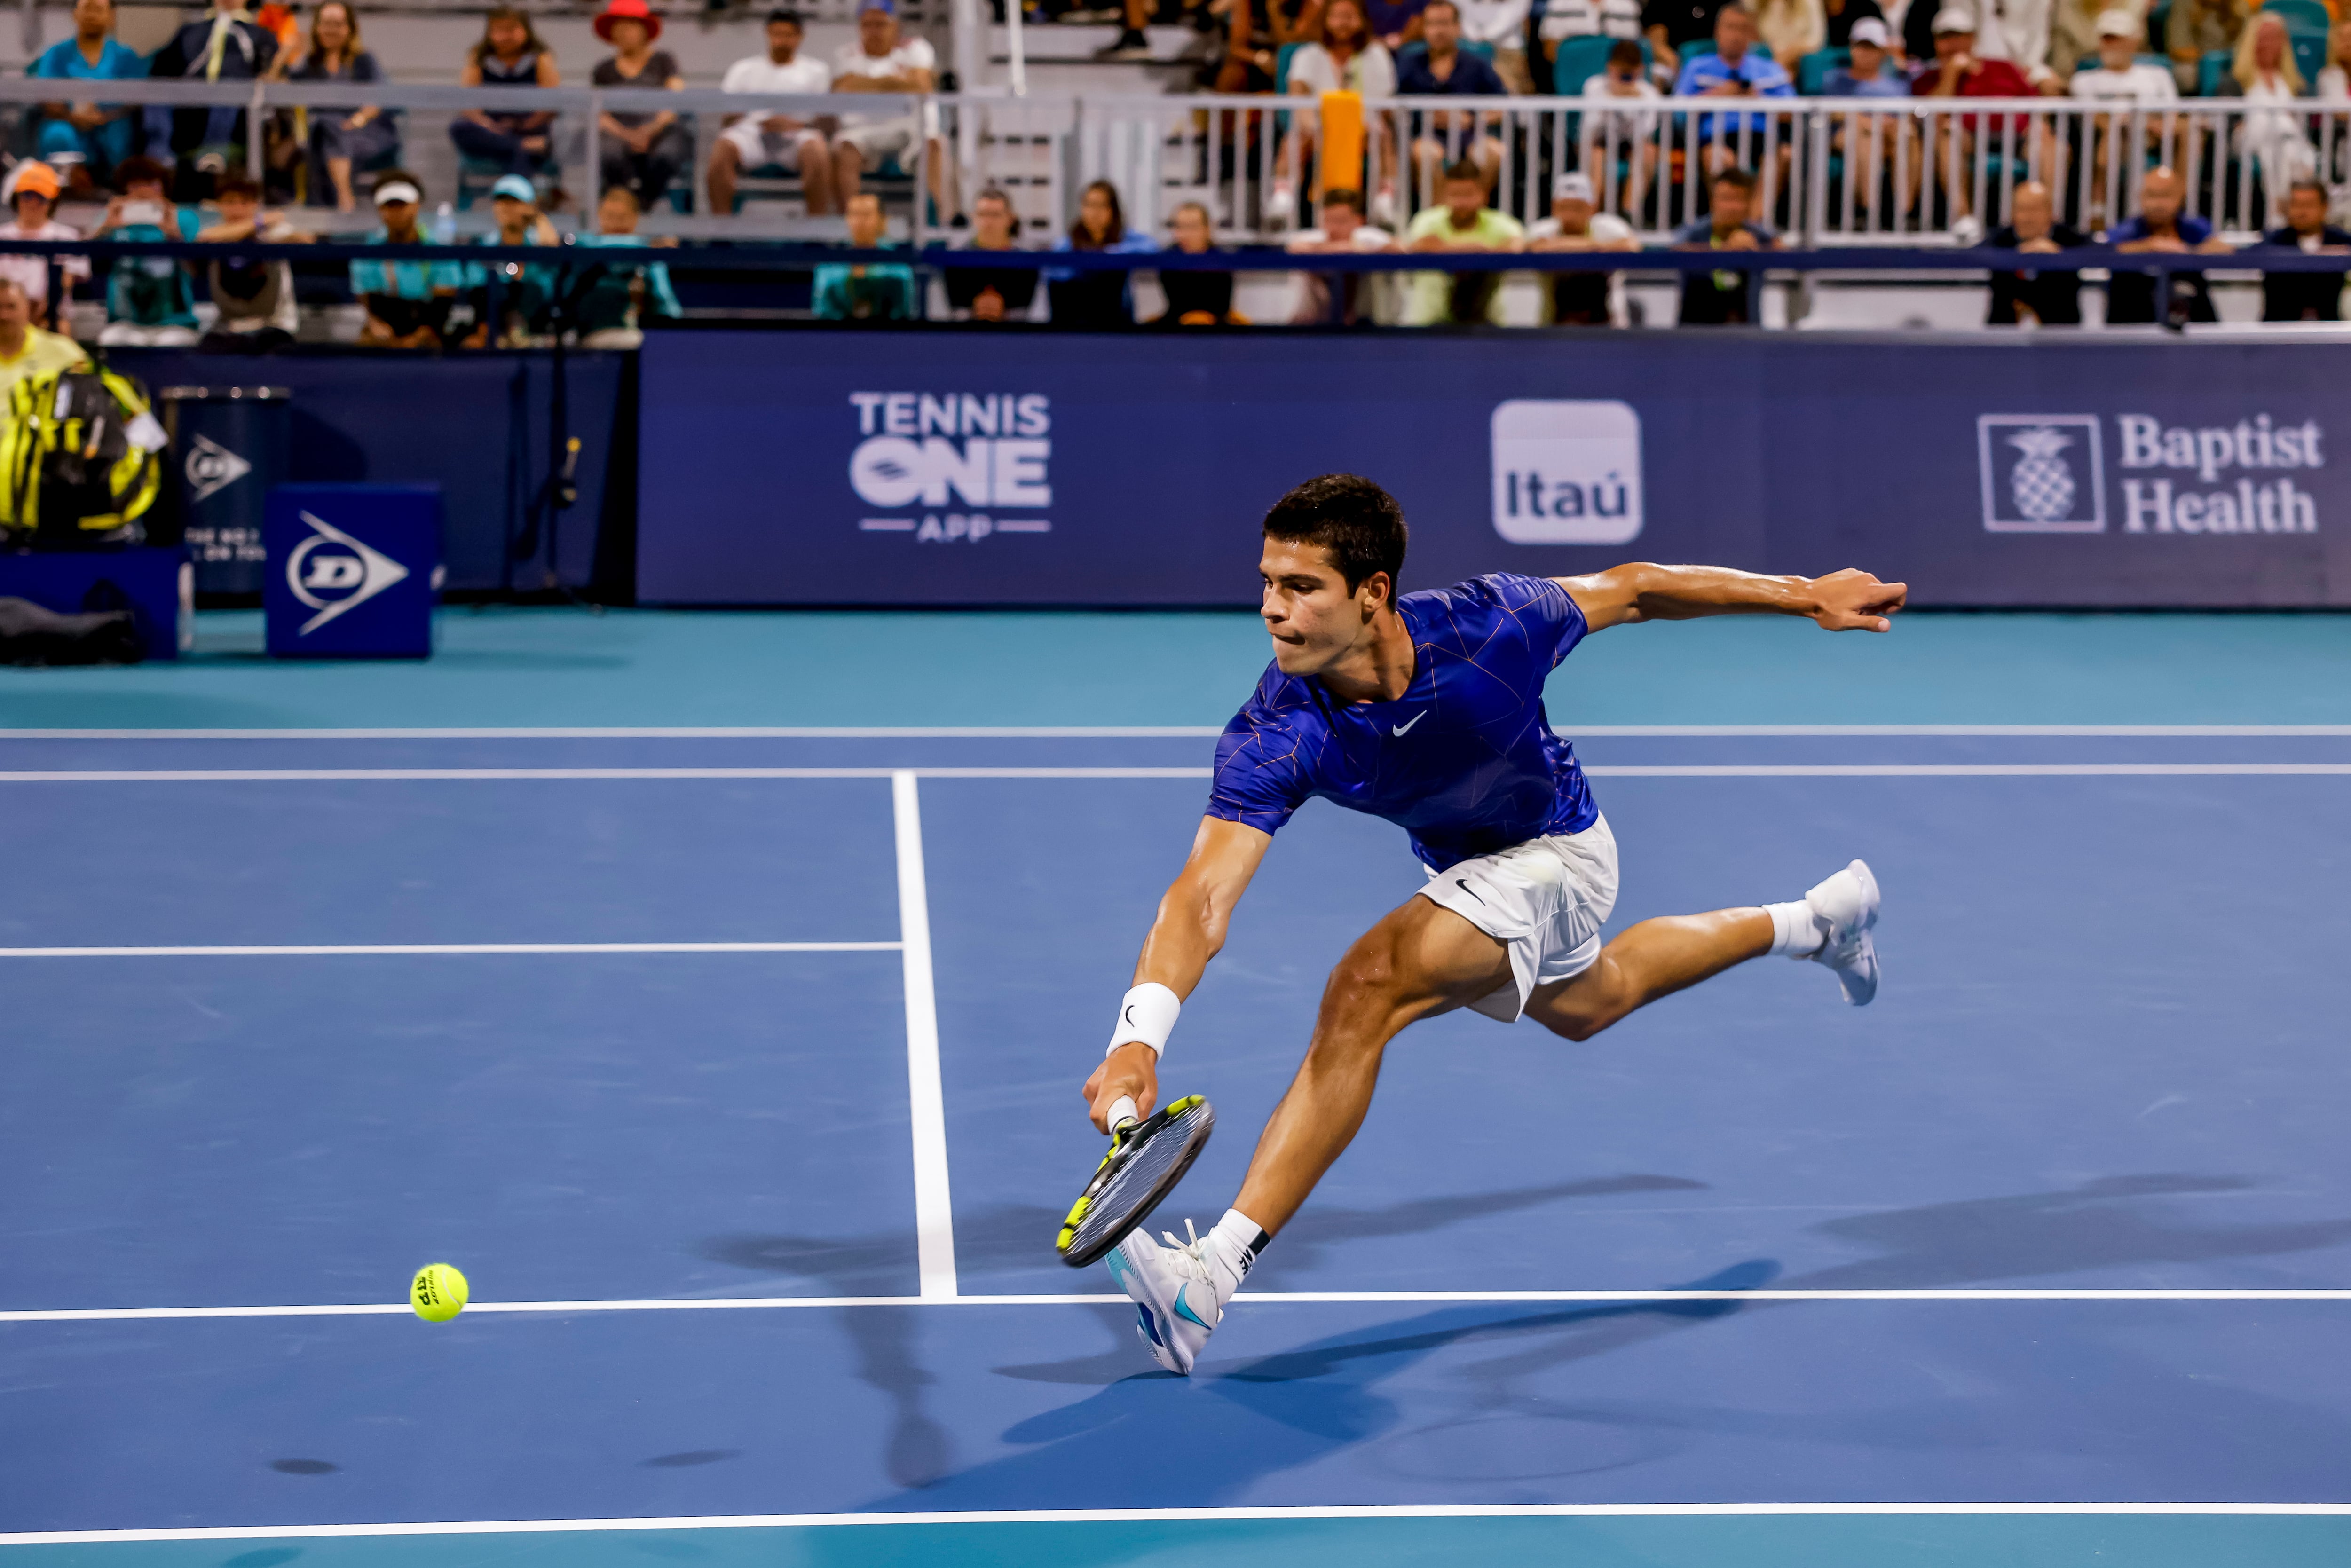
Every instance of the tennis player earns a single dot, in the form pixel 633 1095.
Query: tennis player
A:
pixel 1427 710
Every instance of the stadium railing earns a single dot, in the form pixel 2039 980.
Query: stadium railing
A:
pixel 1964 159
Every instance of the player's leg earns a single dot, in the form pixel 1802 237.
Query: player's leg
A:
pixel 1831 924
pixel 1652 960
pixel 1421 959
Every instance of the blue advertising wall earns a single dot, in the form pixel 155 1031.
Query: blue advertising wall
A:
pixel 846 467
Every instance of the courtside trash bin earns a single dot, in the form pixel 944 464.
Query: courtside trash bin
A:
pixel 229 446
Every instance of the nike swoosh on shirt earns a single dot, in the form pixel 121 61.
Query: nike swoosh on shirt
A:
pixel 1415 719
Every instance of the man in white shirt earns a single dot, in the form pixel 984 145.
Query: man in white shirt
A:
pixel 1582 298
pixel 2119 77
pixel 1343 298
pixel 883 61
pixel 761 141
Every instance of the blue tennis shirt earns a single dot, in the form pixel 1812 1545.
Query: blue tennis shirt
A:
pixel 1464 761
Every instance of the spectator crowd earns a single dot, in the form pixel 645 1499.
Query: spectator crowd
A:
pixel 181 173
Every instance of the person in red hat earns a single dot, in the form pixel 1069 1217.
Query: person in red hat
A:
pixel 32 192
pixel 641 152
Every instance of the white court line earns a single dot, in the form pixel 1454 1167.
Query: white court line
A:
pixel 446 949
pixel 1151 732
pixel 934 1208
pixel 1189 1515
pixel 1269 1298
pixel 1694 771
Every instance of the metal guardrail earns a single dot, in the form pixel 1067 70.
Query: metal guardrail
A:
pixel 1859 172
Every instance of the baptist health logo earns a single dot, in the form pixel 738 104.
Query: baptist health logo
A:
pixel 331 572
pixel 1566 472
pixel 919 449
pixel 2047 473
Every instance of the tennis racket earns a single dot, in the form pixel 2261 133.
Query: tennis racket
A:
pixel 1146 1159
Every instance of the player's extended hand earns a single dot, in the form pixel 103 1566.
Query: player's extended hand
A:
pixel 1851 600
pixel 1132 1070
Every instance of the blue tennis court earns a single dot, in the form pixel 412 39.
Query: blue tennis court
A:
pixel 739 1071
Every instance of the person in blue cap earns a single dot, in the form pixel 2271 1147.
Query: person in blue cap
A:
pixel 522 287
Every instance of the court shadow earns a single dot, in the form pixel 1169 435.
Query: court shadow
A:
pixel 918 1450
pixel 1012 1237
pixel 1287 1410
pixel 691 1457
pixel 304 1466
pixel 2109 1223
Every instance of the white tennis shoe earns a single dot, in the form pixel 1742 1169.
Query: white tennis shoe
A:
pixel 1175 1293
pixel 1845 907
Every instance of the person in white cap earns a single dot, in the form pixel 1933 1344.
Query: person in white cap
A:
pixel 1581 298
pixel 1876 145
pixel 1959 71
pixel 2118 77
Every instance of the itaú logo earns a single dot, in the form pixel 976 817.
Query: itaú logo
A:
pixel 989 449
pixel 331 572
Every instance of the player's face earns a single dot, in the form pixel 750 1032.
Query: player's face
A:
pixel 1313 619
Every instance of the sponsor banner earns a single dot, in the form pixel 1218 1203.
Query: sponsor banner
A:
pixel 354 571
pixel 834 466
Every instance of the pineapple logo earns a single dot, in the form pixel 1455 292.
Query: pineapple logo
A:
pixel 2041 483
pixel 2032 484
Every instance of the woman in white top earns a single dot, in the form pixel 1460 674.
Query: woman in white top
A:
pixel 2335 86
pixel 1347 58
pixel 2270 131
pixel 1790 29
pixel 2335 81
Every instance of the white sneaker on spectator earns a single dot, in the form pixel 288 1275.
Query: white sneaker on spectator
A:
pixel 1384 207
pixel 1282 206
pixel 1967 229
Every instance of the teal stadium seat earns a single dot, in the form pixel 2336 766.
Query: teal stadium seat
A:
pixel 2309 55
pixel 2212 70
pixel 1580 59
pixel 2302 16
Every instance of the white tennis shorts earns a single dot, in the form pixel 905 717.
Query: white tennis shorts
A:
pixel 1545 900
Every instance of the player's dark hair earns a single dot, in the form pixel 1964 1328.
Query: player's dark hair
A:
pixel 1736 177
pixel 1359 523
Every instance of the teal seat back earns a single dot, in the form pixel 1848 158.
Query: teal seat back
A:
pixel 2212 70
pixel 2309 56
pixel 1813 71
pixel 2302 16
pixel 1580 59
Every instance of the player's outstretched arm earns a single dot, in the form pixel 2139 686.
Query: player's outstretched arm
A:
pixel 1188 932
pixel 1846 600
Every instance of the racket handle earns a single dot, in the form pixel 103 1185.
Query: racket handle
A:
pixel 1123 1113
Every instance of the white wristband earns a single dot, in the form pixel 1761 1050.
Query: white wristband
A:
pixel 1147 1014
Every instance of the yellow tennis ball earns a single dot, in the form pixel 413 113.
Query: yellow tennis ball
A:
pixel 438 1292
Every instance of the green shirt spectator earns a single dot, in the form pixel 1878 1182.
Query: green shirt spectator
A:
pixel 870 292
